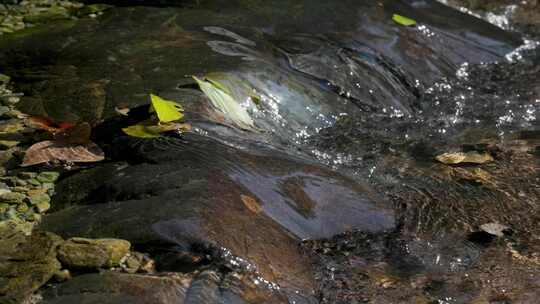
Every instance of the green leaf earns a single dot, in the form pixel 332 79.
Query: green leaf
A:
pixel 225 103
pixel 140 131
pixel 145 130
pixel 403 20
pixel 166 110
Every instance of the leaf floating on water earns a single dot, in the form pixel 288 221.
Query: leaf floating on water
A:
pixel 139 131
pixel 494 229
pixel 403 20
pixel 124 111
pixel 471 157
pixel 226 104
pixel 166 110
pixel 251 204
pixel 47 151
pixel 144 130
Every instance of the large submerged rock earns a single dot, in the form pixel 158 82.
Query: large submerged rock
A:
pixel 195 190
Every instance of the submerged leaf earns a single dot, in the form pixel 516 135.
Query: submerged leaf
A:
pixel 471 157
pixel 166 110
pixel 124 111
pixel 226 104
pixel 47 151
pixel 403 20
pixel 143 130
pixel 79 134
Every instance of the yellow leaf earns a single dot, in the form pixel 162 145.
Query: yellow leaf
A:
pixel 144 130
pixel 403 20
pixel 140 131
pixel 166 110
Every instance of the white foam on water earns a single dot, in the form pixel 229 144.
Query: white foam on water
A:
pixel 501 20
pixel 517 54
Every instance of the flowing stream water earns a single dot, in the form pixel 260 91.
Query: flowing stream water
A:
pixel 319 175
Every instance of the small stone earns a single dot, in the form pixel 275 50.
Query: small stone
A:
pixel 20 182
pixel 4 110
pixel 34 182
pixel 39 198
pixel 62 275
pixel 19 189
pixel 12 198
pixel 9 180
pixel 48 177
pixel 22 208
pixel 133 262
pixel 7 144
pixel 4 78
pixel 15 114
pixel 3 191
pixel 36 217
pixel 27 175
pixel 34 192
pixel 11 100
pixel 4 208
pixel 48 186
pixel 93 254
pixel 42 207
pixel 12 214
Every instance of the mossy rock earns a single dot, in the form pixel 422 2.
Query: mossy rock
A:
pixel 26 262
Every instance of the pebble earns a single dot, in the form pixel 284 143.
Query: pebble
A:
pixel 4 208
pixel 42 207
pixel 28 175
pixel 39 198
pixel 12 198
pixel 48 176
pixel 62 275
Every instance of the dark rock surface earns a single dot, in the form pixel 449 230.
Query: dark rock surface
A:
pixel 26 263
pixel 256 206
pixel 227 208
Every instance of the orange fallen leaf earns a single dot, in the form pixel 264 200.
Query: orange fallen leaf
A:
pixel 251 204
pixel 44 123
pixel 47 151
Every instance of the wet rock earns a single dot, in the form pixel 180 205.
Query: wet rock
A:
pixel 38 199
pixel 26 263
pixel 74 89
pixel 27 175
pixel 62 275
pixel 84 253
pixel 12 197
pixel 119 288
pixel 137 262
pixel 42 206
pixel 207 287
pixel 7 144
pixel 200 202
pixel 48 176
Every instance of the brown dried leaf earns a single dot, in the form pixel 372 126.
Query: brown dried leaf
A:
pixel 251 204
pixel 48 150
